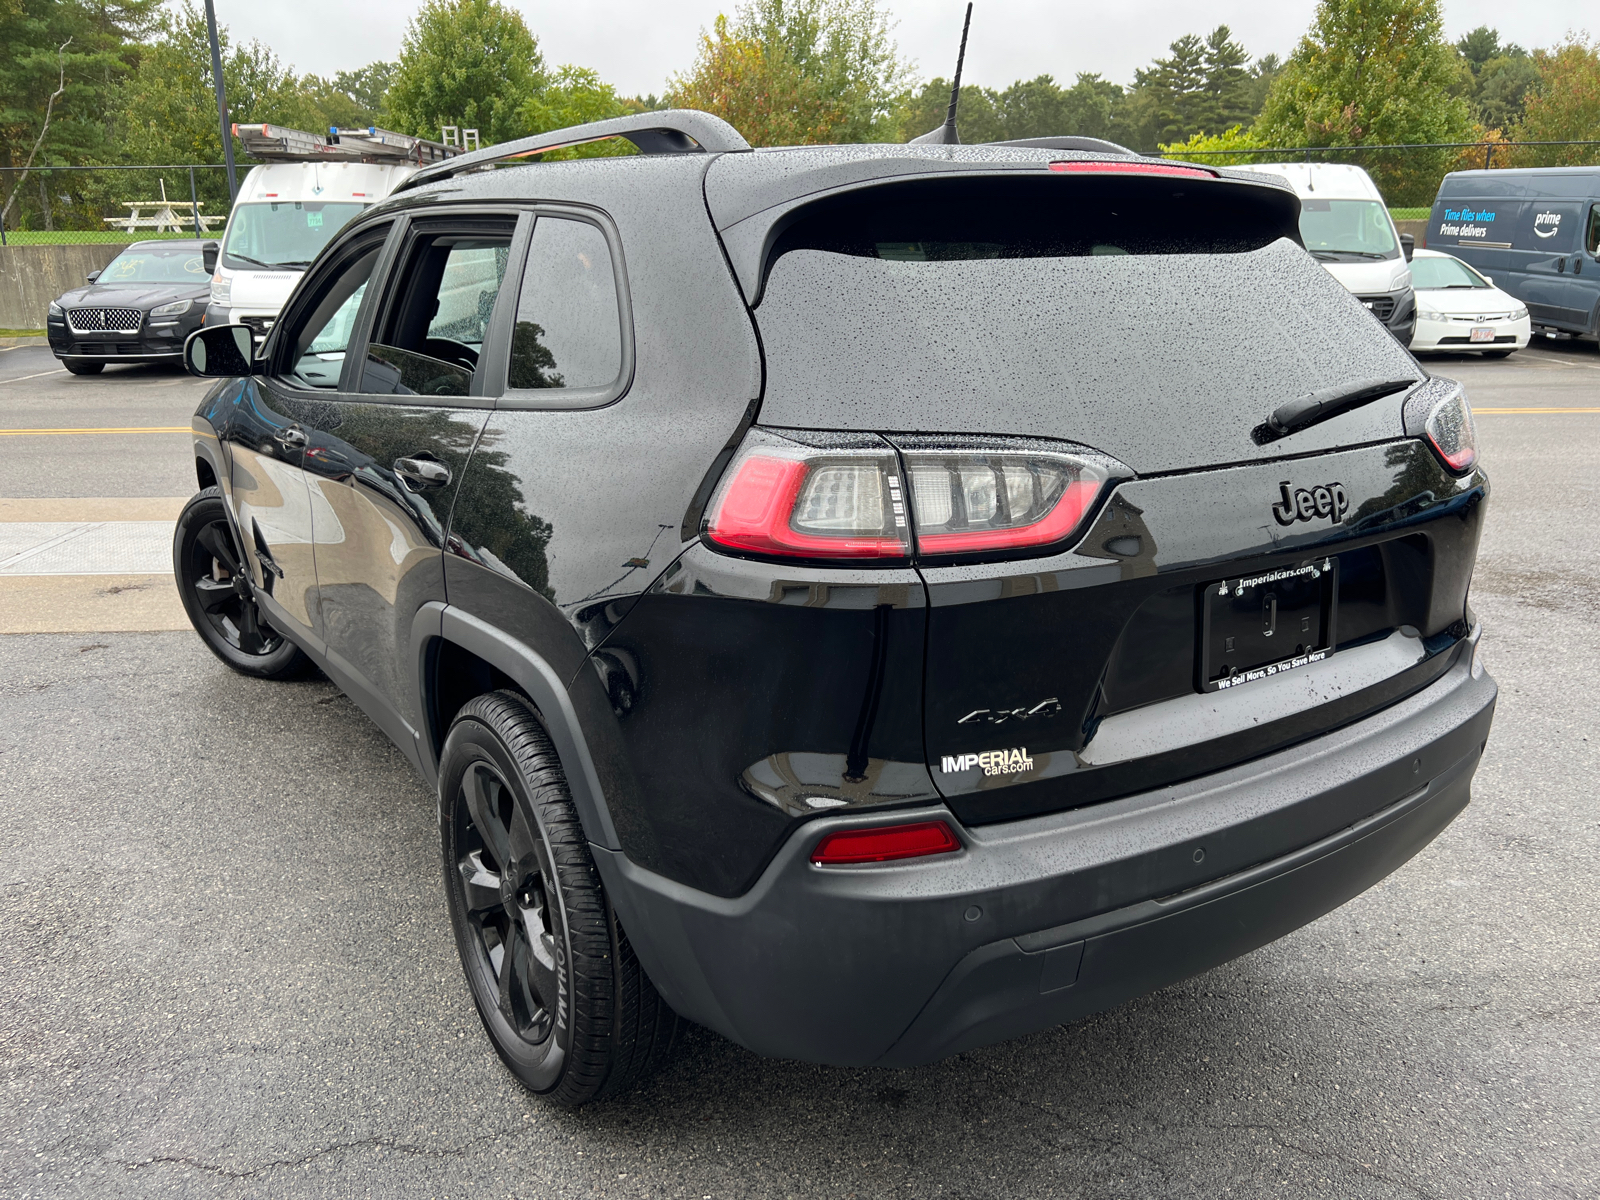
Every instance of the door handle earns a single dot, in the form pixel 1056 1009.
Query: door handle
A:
pixel 293 438
pixel 420 473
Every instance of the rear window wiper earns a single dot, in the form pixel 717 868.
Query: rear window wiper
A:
pixel 1307 410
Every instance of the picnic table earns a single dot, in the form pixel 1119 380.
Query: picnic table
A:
pixel 165 216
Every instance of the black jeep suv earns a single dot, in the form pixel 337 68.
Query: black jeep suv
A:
pixel 870 600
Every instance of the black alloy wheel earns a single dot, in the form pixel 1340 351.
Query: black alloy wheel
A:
pixel 214 584
pixel 508 888
pixel 554 979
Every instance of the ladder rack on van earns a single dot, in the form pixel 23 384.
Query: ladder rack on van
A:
pixel 277 143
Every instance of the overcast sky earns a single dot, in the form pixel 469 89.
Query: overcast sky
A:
pixel 637 44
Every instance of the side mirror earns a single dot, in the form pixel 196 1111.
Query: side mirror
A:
pixel 208 257
pixel 220 352
pixel 1408 245
pixel 1489 279
pixel 93 275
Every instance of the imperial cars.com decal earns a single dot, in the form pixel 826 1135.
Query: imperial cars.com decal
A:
pixel 993 762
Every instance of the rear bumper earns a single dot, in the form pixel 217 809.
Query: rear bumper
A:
pixel 1045 920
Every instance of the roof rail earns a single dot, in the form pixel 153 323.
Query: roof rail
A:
pixel 672 131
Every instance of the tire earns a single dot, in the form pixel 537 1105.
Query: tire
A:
pixel 1498 353
pixel 81 366
pixel 569 1009
pixel 215 587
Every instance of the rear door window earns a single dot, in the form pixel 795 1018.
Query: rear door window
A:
pixel 568 341
pixel 436 312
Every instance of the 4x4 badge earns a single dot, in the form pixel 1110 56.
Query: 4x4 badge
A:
pixel 1303 504
pixel 999 716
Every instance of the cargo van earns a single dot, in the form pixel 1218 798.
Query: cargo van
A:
pixel 1535 232
pixel 287 210
pixel 1346 226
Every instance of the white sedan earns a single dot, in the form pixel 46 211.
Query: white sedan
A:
pixel 1459 309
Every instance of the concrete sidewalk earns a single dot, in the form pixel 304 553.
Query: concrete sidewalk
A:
pixel 96 565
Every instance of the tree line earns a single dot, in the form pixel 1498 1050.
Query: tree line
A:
pixel 129 81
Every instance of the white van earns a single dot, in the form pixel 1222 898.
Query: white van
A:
pixel 1346 226
pixel 286 212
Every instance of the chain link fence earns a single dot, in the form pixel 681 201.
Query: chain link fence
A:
pixel 81 205
pixel 1408 176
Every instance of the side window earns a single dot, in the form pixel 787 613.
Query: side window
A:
pixel 321 335
pixel 568 332
pixel 1591 237
pixel 436 315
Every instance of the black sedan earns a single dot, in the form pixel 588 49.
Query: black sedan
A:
pixel 140 308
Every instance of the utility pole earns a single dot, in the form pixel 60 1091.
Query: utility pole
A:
pixel 222 101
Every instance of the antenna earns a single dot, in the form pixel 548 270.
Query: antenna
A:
pixel 946 134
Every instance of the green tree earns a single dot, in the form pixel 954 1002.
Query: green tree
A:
pixel 845 47
pixel 575 96
pixel 978 116
pixel 1504 85
pixel 1172 92
pixel 757 90
pixel 1226 89
pixel 470 63
pixel 787 72
pixel 1567 105
pixel 168 110
pixel 1262 73
pixel 1204 87
pixel 1368 71
pixel 1230 148
pixel 1376 72
pixel 368 88
pixel 1092 107
pixel 100 48
pixel 1481 45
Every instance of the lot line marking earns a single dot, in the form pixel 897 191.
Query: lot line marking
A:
pixel 1506 411
pixel 130 429
pixel 40 375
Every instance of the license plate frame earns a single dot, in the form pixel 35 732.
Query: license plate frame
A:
pixel 1480 334
pixel 1242 619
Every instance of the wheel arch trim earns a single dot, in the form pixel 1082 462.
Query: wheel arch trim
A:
pixel 437 622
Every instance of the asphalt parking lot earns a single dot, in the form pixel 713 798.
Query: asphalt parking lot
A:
pixel 226 968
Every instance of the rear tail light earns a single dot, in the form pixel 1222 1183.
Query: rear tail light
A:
pixel 885 844
pixel 993 495
pixel 843 496
pixel 1454 435
pixel 1439 412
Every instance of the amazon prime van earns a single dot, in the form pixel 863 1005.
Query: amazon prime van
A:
pixel 1346 227
pixel 1535 232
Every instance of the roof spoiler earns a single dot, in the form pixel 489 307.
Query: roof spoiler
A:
pixel 1088 145
pixel 672 131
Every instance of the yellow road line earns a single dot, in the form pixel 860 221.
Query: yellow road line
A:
pixel 1502 411
pixel 131 429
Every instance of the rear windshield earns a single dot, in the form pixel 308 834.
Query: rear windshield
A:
pixel 1036 216
pixel 180 264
